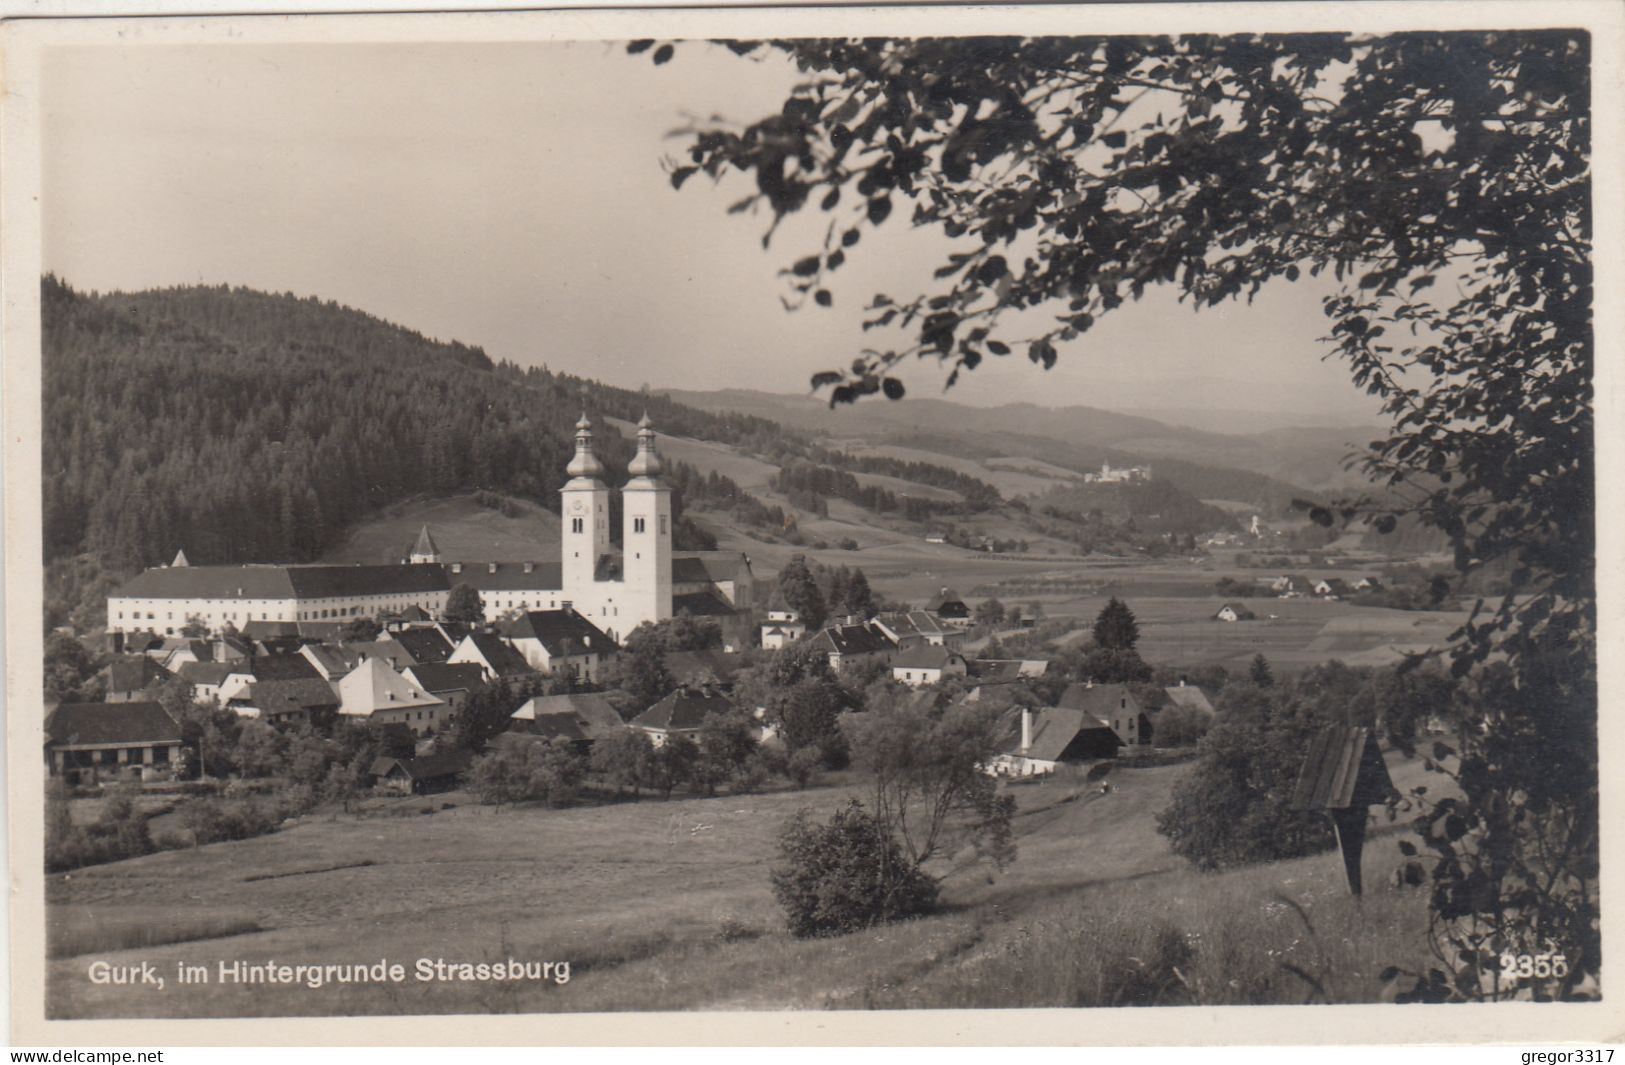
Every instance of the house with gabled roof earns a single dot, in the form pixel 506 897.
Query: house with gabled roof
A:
pixel 302 700
pixel 422 644
pixel 681 713
pixel 450 682
pixel 1005 670
pixel 496 657
pixel 560 641
pixel 422 774
pixel 128 676
pixel 913 627
pixel 947 607
pixel 848 645
pixel 1234 612
pixel 925 664
pixel 1189 696
pixel 1039 740
pixel 707 668
pixel 206 679
pixel 94 741
pixel 583 716
pixel 1332 588
pixel 376 694
pixel 1114 704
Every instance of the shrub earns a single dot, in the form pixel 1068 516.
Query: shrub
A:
pixel 846 875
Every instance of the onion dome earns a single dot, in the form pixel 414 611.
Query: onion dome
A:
pixel 646 463
pixel 584 463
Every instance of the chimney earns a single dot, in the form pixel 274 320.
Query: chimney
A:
pixel 457 567
pixel 1026 729
pixel 491 567
pixel 529 566
pixel 1181 682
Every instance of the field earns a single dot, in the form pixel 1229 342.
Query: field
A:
pixel 667 906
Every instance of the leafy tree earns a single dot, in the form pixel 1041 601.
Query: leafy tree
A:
pixel 1235 807
pixel 680 633
pixel 726 743
pixel 1106 665
pixel 623 758
pixel 801 695
pixel 642 673
pixel 485 714
pixel 194 628
pixel 498 778
pixel 930 789
pixel 1441 178
pixel 360 630
pixel 846 875
pixel 259 749
pixel 1115 628
pixel 1180 726
pixel 989 613
pixel 552 771
pixel 672 763
pixel 799 592
pixel 463 604
pixel 70 670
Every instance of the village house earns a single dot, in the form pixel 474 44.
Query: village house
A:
pixel 422 644
pixel 925 664
pixel 206 679
pixel 128 676
pixel 1038 741
pixel 302 700
pixel 1234 612
pixel 584 717
pixel 949 609
pixel 435 771
pixel 680 713
pixel 782 628
pixel 96 741
pixel 1367 584
pixel 914 627
pixel 495 656
pixel 1115 705
pixel 1289 586
pixel 1005 670
pixel 708 668
pixel 560 641
pixel 850 645
pixel 1189 696
pixel 1332 588
pixel 330 661
pixel 451 683
pixel 375 693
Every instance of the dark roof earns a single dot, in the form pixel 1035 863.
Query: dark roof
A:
pixel 1057 733
pixel 502 658
pixel 945 598
pixel 283 582
pixel 1005 670
pixel 926 656
pixel 1100 700
pixel 424 645
pixel 394 653
pixel 280 667
pixel 273 697
pixel 507 576
pixel 854 640
pixel 594 714
pixel 554 627
pixel 83 724
pixel 1237 609
pixel 1189 695
pixel 131 673
pixel 683 710
pixel 558 726
pixel 1343 769
pixel 695 567
pixel 702 605
pixel 265 630
pixel 204 672
pixel 426 766
pixel 437 677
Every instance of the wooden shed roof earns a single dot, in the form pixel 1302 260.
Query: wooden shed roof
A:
pixel 1344 769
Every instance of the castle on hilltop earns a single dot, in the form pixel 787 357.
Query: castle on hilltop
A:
pixel 616 590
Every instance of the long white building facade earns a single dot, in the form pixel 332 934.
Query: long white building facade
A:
pixel 616 590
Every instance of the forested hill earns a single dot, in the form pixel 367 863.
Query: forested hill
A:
pixel 245 426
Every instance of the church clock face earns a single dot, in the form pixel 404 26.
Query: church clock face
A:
pixel 578 506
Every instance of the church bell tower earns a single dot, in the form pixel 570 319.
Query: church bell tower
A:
pixel 646 535
pixel 584 514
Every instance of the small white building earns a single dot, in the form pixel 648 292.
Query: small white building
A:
pixel 925 664
pixel 375 693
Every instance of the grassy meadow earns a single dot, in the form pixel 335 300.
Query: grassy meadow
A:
pixel 667 905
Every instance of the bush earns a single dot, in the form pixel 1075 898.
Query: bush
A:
pixel 846 875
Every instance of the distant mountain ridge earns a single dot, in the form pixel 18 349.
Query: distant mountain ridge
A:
pixel 1298 459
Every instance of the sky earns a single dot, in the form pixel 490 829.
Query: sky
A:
pixel 513 196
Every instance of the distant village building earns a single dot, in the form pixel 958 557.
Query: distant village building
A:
pixel 616 589
pixel 1113 704
pixel 302 700
pixel 850 645
pixel 375 693
pixel 586 716
pixel 128 676
pixel 436 771
pixel 560 641
pixel 914 628
pixel 680 713
pixel 925 664
pixel 782 628
pixel 1234 612
pixel 1189 696
pixel 96 741
pixel 1332 588
pixel 496 658
pixel 949 609
pixel 451 683
pixel 1109 475
pixel 1005 670
pixel 1040 740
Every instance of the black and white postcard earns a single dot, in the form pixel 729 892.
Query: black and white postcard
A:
pixel 993 522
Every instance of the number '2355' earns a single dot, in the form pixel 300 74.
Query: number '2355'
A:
pixel 1540 966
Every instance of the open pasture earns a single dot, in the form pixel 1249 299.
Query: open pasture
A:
pixel 665 906
pixel 462 529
